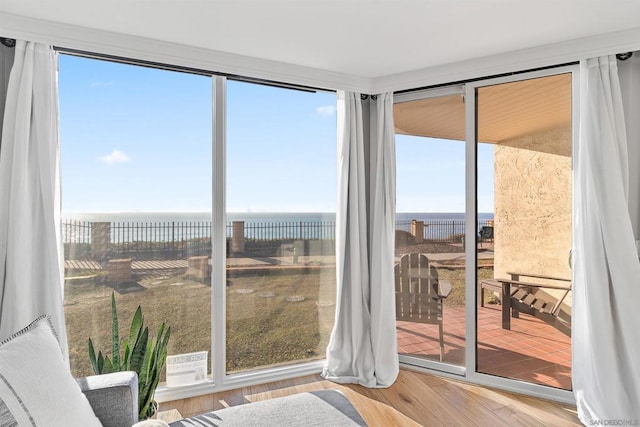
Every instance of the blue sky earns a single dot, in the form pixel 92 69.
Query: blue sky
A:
pixel 430 175
pixel 139 139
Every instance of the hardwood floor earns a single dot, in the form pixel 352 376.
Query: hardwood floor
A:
pixel 415 399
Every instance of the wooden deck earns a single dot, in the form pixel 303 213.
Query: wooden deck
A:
pixel 135 265
pixel 532 350
pixel 81 265
pixel 247 263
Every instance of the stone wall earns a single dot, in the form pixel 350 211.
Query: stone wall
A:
pixel 533 204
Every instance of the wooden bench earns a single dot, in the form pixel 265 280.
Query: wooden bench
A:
pixel 525 294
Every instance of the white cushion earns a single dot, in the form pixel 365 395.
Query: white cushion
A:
pixel 36 385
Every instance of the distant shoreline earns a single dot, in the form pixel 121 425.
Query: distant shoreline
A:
pixel 254 216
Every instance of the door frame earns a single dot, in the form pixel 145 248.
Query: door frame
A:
pixel 414 361
pixel 472 374
pixel 469 372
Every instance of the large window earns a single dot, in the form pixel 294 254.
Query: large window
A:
pixel 281 195
pixel 225 216
pixel 136 177
pixel 137 161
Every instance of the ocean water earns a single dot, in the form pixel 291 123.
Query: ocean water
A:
pixel 253 217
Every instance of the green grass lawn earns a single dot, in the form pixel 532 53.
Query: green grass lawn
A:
pixel 457 278
pixel 263 327
pixel 184 305
pixel 278 317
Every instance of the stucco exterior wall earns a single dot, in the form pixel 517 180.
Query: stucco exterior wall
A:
pixel 533 204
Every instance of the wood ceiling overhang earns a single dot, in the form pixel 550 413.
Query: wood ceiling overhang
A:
pixel 505 111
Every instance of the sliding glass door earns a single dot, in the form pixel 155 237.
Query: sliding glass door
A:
pixel 430 260
pixel 524 291
pixel 483 230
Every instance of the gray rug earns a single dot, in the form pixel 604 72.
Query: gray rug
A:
pixel 318 408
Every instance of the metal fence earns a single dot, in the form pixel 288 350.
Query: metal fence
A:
pixel 136 240
pixel 178 240
pixel 161 240
pixel 445 231
pixel 181 240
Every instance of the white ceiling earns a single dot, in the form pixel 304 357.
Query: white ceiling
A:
pixel 364 38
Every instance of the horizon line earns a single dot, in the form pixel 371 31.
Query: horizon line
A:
pixel 251 212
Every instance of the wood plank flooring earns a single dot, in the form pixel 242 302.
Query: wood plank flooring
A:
pixel 416 399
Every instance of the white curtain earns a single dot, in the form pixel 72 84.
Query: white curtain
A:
pixel 31 261
pixel 606 332
pixel 629 72
pixel 6 62
pixel 363 348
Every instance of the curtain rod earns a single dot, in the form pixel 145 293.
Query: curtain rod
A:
pixel 619 56
pixel 189 70
pixel 84 54
pixel 8 42
pixel 477 79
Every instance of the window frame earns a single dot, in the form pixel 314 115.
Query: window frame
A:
pixel 414 361
pixel 472 374
pixel 220 380
pixel 468 372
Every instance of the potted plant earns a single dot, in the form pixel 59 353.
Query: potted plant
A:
pixel 140 354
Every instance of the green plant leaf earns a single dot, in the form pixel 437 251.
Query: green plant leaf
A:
pixel 115 338
pixel 125 360
pixel 136 326
pixel 154 363
pixel 165 341
pixel 92 357
pixel 144 370
pixel 108 366
pixel 162 356
pixel 146 395
pixel 159 337
pixel 140 354
pixel 100 363
pixel 156 349
pixel 138 351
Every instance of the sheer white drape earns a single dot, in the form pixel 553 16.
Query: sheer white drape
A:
pixel 382 239
pixel 31 262
pixel 629 72
pixel 606 336
pixel 363 348
pixel 6 62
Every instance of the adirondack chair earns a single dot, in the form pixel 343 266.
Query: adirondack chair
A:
pixel 420 293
